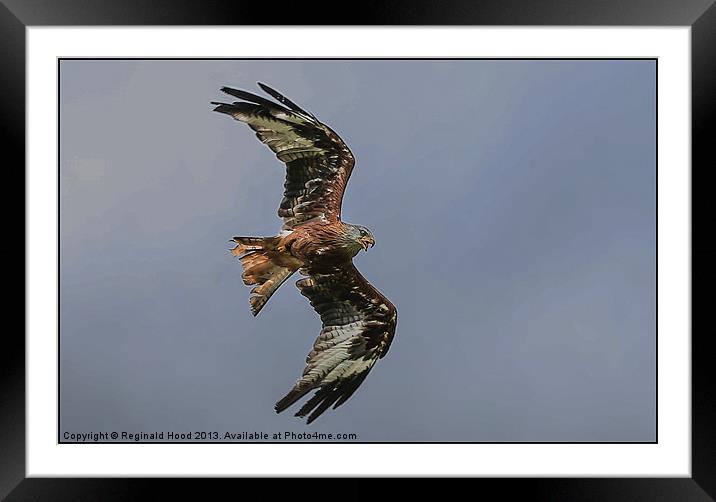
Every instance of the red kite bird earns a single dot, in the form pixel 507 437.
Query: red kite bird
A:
pixel 358 321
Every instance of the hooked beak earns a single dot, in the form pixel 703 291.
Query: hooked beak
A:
pixel 367 241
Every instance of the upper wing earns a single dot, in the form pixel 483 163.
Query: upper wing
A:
pixel 358 327
pixel 318 163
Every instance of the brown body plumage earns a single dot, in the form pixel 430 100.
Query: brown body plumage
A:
pixel 358 321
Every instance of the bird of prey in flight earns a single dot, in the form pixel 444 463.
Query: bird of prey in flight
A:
pixel 358 321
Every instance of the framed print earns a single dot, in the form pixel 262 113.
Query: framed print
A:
pixel 519 248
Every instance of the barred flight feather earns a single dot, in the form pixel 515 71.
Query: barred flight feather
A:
pixel 358 327
pixel 309 148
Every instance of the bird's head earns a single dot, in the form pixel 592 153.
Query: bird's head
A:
pixel 362 236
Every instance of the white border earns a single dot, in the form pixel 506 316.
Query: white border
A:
pixel 670 457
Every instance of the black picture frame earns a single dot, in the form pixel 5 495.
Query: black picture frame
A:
pixel 700 15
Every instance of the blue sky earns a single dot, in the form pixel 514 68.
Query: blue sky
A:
pixel 513 204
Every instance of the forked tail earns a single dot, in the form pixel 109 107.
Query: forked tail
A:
pixel 264 266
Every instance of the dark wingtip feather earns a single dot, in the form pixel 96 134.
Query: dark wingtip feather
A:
pixel 350 387
pixel 237 93
pixel 323 399
pixel 290 398
pixel 252 98
pixel 312 403
pixel 268 89
pixel 283 99
pixel 240 107
pixel 328 400
pixel 223 108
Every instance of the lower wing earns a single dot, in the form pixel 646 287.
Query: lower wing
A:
pixel 358 328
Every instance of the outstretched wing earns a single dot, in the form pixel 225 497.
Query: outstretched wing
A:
pixel 358 327
pixel 318 163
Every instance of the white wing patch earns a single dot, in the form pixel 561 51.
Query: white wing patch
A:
pixel 358 326
pixel 318 163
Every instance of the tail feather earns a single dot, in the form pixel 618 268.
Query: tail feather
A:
pixel 261 294
pixel 264 267
pixel 246 244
